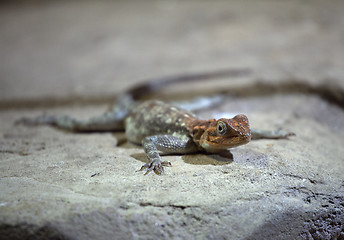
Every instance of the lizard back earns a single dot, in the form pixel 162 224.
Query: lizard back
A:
pixel 155 118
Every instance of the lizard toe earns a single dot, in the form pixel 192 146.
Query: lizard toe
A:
pixel 166 164
pixel 145 166
pixel 155 166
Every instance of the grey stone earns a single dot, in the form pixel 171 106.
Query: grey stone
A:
pixel 60 185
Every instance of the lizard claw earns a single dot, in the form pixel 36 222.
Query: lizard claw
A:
pixel 156 166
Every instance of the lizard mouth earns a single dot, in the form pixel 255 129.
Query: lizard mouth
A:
pixel 211 146
pixel 234 142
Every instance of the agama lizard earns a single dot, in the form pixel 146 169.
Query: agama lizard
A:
pixel 159 126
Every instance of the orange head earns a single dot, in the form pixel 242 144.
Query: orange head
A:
pixel 226 133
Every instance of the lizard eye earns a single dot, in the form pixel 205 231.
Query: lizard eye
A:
pixel 221 128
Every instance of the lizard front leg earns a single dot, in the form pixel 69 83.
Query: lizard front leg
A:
pixel 165 144
pixel 270 134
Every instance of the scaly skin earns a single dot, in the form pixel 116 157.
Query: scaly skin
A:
pixel 162 127
pixel 159 126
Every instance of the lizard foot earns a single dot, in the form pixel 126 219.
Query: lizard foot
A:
pixel 268 134
pixel 156 166
pixel 280 134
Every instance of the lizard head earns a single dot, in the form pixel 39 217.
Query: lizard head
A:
pixel 226 133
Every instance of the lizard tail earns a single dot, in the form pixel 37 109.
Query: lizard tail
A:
pixel 153 85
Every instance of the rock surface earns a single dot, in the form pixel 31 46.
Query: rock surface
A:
pixel 60 185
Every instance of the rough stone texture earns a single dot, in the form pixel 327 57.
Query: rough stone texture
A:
pixel 60 185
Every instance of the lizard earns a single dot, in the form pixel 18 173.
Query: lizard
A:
pixel 162 127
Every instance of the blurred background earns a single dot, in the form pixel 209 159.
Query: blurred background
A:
pixel 66 49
